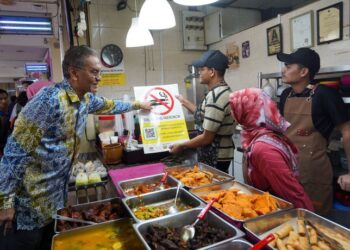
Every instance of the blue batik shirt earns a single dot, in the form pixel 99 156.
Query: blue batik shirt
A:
pixel 39 154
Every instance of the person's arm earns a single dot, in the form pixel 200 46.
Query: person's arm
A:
pixel 101 105
pixel 344 180
pixel 187 104
pixel 199 141
pixel 274 167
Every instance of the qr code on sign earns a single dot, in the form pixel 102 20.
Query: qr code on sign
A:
pixel 150 133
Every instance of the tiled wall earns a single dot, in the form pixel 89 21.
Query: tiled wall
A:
pixel 111 26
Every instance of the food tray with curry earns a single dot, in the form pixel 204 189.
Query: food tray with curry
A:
pixel 238 202
pixel 116 235
pixel 145 184
pixel 198 175
pixel 299 229
pixel 98 211
pixel 157 204
pixel 165 232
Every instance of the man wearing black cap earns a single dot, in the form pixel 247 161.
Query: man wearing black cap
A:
pixel 313 114
pixel 212 116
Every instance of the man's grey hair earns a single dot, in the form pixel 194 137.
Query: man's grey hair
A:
pixel 75 57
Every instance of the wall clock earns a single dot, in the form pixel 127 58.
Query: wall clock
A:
pixel 111 55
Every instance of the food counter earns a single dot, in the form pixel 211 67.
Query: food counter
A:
pixel 141 210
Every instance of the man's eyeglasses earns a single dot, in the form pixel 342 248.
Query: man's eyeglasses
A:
pixel 93 72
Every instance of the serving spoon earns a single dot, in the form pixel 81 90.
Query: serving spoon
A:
pixel 188 231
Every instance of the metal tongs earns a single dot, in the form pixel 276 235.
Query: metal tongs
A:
pixel 333 243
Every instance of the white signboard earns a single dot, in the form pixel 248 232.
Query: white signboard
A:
pixel 165 124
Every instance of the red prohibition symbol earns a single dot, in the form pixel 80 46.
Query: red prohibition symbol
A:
pixel 161 99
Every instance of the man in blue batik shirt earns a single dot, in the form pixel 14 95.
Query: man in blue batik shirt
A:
pixel 41 150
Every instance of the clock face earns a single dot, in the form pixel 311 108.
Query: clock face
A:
pixel 111 55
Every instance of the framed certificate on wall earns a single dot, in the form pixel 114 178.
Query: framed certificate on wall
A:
pixel 302 31
pixel 330 24
pixel 274 39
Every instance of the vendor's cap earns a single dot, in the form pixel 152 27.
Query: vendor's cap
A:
pixel 304 56
pixel 212 59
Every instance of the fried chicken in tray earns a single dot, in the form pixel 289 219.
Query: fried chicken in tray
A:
pixel 242 206
pixel 193 177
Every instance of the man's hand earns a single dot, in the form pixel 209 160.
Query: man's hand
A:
pixel 176 148
pixel 344 182
pixel 6 218
pixel 145 106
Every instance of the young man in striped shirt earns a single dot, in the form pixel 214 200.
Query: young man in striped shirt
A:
pixel 212 117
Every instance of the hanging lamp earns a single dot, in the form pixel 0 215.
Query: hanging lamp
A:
pixel 194 2
pixel 138 35
pixel 157 15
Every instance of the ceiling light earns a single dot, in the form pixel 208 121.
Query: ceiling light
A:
pixel 25 25
pixel 23 28
pixel 194 2
pixel 138 35
pixel 157 15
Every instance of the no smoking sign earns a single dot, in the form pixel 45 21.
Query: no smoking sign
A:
pixel 161 100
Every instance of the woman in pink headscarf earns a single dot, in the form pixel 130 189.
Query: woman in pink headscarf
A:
pixel 270 157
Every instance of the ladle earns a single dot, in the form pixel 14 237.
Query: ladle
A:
pixel 173 209
pixel 188 231
pixel 161 185
pixel 260 244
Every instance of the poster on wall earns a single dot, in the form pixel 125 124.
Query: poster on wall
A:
pixel 274 40
pixel 302 31
pixel 165 124
pixel 112 77
pixel 245 49
pixel 330 24
pixel 232 53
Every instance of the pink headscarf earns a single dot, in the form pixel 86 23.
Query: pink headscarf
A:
pixel 259 115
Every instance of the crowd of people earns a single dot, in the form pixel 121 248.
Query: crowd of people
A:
pixel 284 147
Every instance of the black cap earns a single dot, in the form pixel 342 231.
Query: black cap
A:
pixel 212 59
pixel 304 56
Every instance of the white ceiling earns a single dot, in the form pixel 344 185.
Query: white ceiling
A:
pixel 13 57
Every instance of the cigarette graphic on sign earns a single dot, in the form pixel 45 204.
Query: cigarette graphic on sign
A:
pixel 161 99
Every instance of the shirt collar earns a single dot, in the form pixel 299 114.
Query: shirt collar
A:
pixel 305 93
pixel 70 91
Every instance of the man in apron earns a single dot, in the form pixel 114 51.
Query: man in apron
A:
pixel 313 113
pixel 213 115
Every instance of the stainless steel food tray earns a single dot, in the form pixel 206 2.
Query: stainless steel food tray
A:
pixel 85 206
pixel 218 176
pixel 238 244
pixel 159 198
pixel 81 230
pixel 186 218
pixel 258 228
pixel 244 188
pixel 127 184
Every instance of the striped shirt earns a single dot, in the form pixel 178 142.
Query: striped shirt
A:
pixel 39 154
pixel 216 113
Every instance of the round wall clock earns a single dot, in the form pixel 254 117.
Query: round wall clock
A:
pixel 111 55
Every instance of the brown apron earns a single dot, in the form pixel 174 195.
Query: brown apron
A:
pixel 314 166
